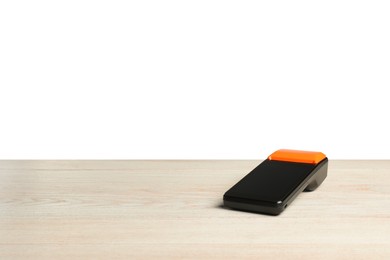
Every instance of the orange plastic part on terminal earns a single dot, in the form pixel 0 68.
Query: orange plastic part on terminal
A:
pixel 297 156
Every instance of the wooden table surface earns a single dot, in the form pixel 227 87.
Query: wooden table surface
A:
pixel 173 210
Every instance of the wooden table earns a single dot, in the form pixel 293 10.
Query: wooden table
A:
pixel 173 210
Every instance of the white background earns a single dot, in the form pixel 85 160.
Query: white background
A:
pixel 194 79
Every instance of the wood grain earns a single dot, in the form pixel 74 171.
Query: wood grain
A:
pixel 172 210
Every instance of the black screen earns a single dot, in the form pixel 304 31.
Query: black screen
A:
pixel 271 181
